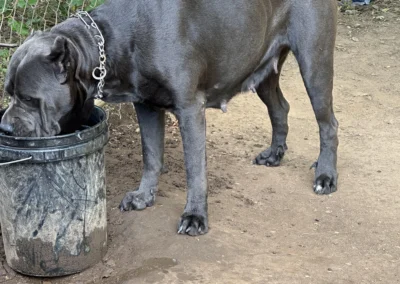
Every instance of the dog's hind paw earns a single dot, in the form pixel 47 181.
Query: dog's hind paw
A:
pixel 325 185
pixel 271 157
pixel 136 200
pixel 193 224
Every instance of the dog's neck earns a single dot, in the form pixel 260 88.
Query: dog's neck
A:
pixel 118 87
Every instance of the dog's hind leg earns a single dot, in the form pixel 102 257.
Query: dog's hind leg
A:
pixel 313 42
pixel 278 108
pixel 152 129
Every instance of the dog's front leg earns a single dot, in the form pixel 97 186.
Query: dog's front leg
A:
pixel 192 123
pixel 152 126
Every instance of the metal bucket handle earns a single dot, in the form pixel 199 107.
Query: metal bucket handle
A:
pixel 16 161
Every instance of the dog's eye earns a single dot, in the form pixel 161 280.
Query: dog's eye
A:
pixel 26 98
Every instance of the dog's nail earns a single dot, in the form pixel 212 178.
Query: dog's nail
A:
pixel 253 90
pixel 180 229
pixel 187 230
pixel 319 188
pixel 224 106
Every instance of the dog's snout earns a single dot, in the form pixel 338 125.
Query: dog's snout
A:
pixel 6 128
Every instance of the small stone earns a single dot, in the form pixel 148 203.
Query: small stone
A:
pixel 355 39
pixel 111 263
pixel 107 273
pixel 350 12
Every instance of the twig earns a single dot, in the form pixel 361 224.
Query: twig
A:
pixel 8 45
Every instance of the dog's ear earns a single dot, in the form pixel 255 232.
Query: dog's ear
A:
pixel 33 34
pixel 60 56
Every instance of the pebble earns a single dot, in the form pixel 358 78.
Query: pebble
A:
pixel 107 273
pixel 350 12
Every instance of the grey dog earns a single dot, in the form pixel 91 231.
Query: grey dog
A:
pixel 180 56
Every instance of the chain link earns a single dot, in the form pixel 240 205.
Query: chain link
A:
pixel 100 72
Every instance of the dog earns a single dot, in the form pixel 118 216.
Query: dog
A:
pixel 183 57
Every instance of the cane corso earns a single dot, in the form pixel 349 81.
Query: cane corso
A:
pixel 182 56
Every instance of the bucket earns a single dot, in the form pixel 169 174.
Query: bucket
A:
pixel 53 200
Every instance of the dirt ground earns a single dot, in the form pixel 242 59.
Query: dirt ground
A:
pixel 266 224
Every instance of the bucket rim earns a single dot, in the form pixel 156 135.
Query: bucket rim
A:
pixel 58 137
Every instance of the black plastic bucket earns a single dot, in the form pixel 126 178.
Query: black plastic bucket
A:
pixel 53 200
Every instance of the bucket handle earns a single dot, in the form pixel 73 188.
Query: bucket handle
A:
pixel 16 161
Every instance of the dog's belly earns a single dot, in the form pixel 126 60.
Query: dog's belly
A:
pixel 246 77
pixel 245 53
pixel 216 98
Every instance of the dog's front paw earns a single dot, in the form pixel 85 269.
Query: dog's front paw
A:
pixel 271 157
pixel 325 184
pixel 325 179
pixel 137 200
pixel 193 224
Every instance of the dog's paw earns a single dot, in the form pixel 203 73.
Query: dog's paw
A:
pixel 325 184
pixel 271 157
pixel 136 200
pixel 193 224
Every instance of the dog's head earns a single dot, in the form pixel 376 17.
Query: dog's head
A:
pixel 47 95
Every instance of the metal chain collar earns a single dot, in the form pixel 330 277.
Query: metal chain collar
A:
pixel 100 72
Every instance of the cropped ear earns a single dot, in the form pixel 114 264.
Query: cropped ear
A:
pixel 60 56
